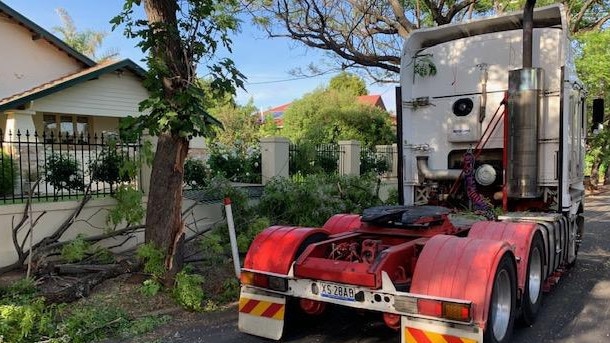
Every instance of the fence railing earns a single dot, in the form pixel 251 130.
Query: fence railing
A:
pixel 378 160
pixel 306 159
pixel 65 164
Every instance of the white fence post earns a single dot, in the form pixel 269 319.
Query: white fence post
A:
pixel 349 157
pixel 274 158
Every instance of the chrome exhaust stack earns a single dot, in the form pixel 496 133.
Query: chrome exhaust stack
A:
pixel 525 88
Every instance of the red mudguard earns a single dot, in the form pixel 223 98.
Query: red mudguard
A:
pixel 274 249
pixel 342 223
pixel 459 268
pixel 518 234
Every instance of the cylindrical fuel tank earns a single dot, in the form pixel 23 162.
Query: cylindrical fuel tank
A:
pixel 525 87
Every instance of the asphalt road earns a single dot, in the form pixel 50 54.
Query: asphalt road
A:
pixel 577 310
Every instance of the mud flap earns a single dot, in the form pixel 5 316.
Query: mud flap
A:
pixel 261 314
pixel 415 330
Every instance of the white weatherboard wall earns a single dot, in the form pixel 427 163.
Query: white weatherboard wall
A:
pixel 115 94
pixel 92 221
pixel 28 62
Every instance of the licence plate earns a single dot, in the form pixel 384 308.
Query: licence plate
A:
pixel 340 292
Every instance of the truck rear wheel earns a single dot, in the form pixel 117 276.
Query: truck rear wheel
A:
pixel 532 295
pixel 501 315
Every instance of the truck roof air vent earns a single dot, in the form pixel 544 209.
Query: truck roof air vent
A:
pixel 463 107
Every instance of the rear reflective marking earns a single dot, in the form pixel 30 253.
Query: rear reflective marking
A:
pixel 420 336
pixel 261 308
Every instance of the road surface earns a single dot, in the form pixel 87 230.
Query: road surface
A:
pixel 577 310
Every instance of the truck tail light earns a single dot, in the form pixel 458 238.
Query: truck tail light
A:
pixel 264 281
pixel 444 309
pixel 428 307
pixel 456 311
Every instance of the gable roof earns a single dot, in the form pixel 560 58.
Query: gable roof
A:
pixel 67 81
pixel 373 100
pixel 40 33
pixel 278 111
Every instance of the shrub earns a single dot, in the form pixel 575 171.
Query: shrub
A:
pixel 91 323
pixel 76 250
pixel 188 291
pixel 8 173
pixel 63 172
pixel 111 166
pixel 236 163
pixel 128 208
pixel 19 322
pixel 308 159
pixel 311 200
pixel 370 162
pixel 150 288
pixel 196 173
pixel 154 260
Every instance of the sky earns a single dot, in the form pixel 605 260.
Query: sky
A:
pixel 265 62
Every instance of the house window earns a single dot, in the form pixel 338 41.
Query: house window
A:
pixel 71 128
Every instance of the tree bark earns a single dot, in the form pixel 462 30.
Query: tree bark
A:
pixel 595 174
pixel 82 287
pixel 164 225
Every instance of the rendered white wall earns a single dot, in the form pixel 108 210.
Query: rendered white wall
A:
pixel 27 62
pixel 92 221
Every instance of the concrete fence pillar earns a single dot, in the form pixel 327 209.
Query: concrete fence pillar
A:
pixel 349 158
pixel 394 160
pixel 274 157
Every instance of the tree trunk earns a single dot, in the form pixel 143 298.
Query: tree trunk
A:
pixel 595 174
pixel 164 226
pixel 83 286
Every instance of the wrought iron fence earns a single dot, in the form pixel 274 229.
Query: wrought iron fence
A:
pixel 378 160
pixel 65 165
pixel 307 159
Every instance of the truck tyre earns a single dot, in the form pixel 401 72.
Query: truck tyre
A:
pixel 532 294
pixel 502 305
pixel 580 230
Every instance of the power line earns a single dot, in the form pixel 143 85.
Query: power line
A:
pixel 291 79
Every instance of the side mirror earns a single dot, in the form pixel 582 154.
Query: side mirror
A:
pixel 598 115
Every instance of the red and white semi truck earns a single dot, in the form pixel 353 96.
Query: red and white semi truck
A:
pixel 491 116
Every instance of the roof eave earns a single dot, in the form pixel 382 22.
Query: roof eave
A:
pixel 16 103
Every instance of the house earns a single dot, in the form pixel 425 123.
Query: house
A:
pixel 277 113
pixel 67 99
pixel 49 88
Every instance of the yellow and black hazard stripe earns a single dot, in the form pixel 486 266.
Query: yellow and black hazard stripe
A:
pixel 414 335
pixel 261 308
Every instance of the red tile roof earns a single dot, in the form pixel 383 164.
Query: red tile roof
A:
pixel 278 112
pixel 373 100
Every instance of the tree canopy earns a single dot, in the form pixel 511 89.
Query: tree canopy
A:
pixel 593 62
pixel 348 82
pixel 328 115
pixel 368 35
